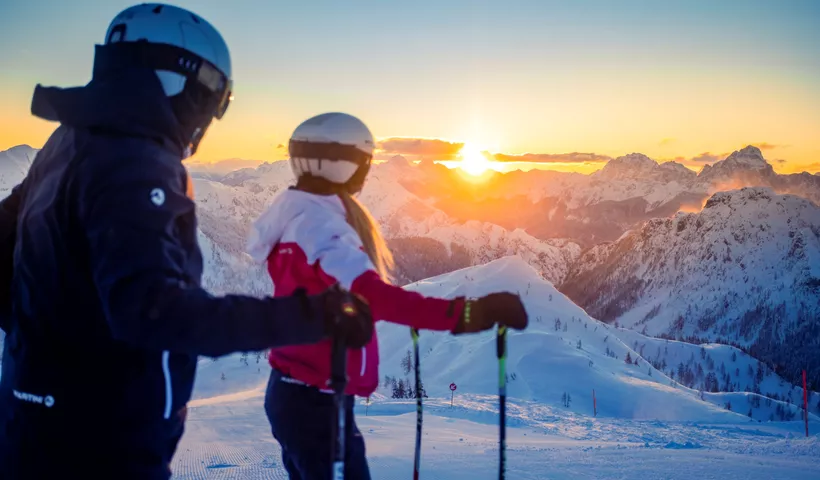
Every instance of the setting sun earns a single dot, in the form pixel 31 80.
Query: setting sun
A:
pixel 473 161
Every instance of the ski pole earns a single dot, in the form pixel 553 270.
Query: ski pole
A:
pixel 417 459
pixel 338 382
pixel 501 352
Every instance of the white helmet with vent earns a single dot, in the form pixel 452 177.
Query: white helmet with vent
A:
pixel 189 56
pixel 334 149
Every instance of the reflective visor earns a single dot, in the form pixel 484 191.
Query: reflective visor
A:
pixel 213 80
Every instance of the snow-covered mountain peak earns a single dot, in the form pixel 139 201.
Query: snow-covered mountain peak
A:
pixel 678 168
pixel 737 198
pixel 634 165
pixel 742 168
pixel 635 160
pixel 749 156
pixel 21 151
pixel 14 165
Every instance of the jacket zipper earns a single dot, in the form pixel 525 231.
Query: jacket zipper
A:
pixel 169 394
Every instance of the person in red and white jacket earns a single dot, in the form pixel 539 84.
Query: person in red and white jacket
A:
pixel 314 235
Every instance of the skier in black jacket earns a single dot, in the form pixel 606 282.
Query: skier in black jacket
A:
pixel 100 293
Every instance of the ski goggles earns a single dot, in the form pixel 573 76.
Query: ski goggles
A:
pixel 328 151
pixel 209 82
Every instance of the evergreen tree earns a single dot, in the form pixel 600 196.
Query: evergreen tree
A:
pixel 407 363
pixel 401 391
pixel 628 359
pixel 397 393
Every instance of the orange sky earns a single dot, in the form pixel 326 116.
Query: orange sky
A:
pixel 695 79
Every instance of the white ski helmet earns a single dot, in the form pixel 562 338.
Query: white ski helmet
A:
pixel 334 149
pixel 189 56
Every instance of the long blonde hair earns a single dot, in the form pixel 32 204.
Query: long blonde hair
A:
pixel 368 230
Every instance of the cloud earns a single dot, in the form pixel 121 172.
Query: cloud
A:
pixel 424 147
pixel 707 157
pixel 574 157
pixel 280 146
pixel 666 141
pixel 767 146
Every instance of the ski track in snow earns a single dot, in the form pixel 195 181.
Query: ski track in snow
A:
pixel 233 440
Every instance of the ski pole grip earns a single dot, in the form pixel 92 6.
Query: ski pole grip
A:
pixel 500 341
pixel 338 370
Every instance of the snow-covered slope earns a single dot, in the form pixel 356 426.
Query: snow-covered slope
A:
pixel 563 351
pixel 744 270
pixel 721 368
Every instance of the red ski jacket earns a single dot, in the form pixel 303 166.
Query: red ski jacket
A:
pixel 308 243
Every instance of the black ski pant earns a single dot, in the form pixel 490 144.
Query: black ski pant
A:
pixel 302 420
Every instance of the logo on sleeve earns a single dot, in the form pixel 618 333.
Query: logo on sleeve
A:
pixel 157 196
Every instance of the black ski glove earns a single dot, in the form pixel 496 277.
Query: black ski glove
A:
pixel 496 308
pixel 344 315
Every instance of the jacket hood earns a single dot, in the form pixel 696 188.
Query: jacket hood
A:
pixel 129 102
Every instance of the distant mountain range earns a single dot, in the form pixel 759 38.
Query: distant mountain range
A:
pixel 589 209
pixel 628 243
pixel 745 270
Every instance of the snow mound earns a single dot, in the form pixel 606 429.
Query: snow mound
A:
pixel 563 353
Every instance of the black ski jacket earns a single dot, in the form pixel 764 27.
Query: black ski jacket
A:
pixel 102 306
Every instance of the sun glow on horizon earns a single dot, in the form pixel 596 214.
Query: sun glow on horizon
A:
pixel 473 160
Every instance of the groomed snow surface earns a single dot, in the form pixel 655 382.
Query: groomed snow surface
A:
pixel 647 426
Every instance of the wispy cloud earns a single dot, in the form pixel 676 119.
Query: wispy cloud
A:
pixel 708 157
pixel 574 157
pixel 421 147
pixel 280 146
pixel 698 161
pixel 666 141
pixel 767 146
